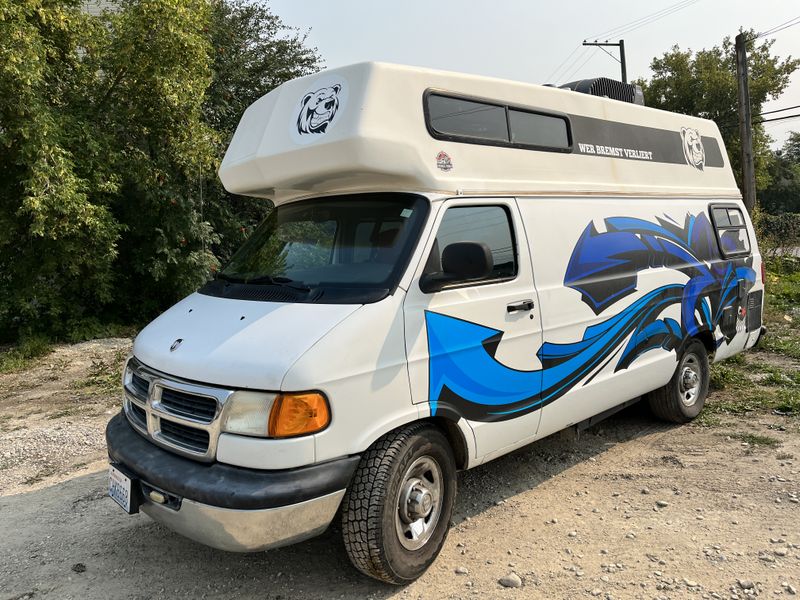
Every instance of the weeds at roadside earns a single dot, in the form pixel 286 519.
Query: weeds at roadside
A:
pixel 104 375
pixel 788 402
pixel 39 476
pixel 751 383
pixel 726 375
pixel 754 439
pixel 21 356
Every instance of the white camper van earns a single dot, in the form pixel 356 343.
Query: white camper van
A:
pixel 455 267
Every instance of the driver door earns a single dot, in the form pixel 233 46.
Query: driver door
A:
pixel 472 346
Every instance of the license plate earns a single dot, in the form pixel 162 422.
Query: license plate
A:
pixel 120 488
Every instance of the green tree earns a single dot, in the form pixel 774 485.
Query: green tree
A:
pixel 703 84
pixel 783 192
pixel 112 129
pixel 253 52
pixel 57 232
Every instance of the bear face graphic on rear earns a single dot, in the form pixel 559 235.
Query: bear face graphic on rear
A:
pixel 693 149
pixel 317 109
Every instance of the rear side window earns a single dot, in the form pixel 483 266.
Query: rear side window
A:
pixel 465 118
pixel 488 224
pixel 475 121
pixel 731 230
pixel 534 129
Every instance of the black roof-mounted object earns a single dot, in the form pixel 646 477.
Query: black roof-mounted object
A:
pixel 608 88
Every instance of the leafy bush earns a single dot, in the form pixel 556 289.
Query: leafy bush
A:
pixel 778 235
pixel 113 128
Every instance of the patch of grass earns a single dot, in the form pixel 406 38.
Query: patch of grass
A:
pixel 781 344
pixel 755 439
pixel 736 359
pixel 778 377
pixel 707 418
pixel 784 456
pixel 742 402
pixel 20 357
pixel 783 283
pixel 726 375
pixel 70 411
pixel 788 402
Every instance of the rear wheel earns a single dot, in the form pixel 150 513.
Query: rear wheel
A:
pixel 396 512
pixel 682 399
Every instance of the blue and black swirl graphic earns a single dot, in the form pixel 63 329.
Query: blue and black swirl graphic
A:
pixel 466 379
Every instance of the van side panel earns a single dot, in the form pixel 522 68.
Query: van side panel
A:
pixel 649 269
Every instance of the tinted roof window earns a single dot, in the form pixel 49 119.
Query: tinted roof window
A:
pixel 454 116
pixel 533 129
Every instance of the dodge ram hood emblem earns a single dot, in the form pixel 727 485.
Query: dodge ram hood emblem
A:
pixel 175 344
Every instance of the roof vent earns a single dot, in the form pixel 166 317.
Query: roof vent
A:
pixel 608 88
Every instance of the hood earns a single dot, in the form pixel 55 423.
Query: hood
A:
pixel 235 343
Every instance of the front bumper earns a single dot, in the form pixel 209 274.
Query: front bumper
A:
pixel 227 507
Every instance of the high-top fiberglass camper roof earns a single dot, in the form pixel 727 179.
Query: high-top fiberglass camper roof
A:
pixel 383 127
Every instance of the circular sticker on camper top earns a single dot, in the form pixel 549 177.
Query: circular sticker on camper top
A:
pixel 318 109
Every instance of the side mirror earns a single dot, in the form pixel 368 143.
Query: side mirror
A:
pixel 461 261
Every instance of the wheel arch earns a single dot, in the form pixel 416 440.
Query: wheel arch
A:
pixel 457 439
pixel 707 339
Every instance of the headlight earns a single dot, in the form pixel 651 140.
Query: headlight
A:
pixel 276 415
pixel 247 413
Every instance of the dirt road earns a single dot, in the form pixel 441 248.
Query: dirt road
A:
pixel 631 509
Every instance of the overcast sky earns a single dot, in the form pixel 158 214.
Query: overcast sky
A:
pixel 527 40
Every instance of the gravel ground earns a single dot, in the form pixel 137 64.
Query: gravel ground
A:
pixel 630 509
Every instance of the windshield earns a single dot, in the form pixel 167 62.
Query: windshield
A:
pixel 360 242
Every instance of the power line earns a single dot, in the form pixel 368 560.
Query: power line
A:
pixel 785 25
pixel 561 71
pixel 652 20
pixel 729 124
pixel 783 118
pixel 577 70
pixel 645 20
pixel 563 62
pixel 769 112
pixel 573 62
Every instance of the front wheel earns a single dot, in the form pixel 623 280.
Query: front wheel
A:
pixel 682 399
pixel 396 512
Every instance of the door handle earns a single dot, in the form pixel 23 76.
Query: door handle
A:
pixel 522 305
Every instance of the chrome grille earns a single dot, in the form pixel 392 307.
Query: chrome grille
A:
pixel 188 437
pixel 189 405
pixel 139 414
pixel 140 385
pixel 176 414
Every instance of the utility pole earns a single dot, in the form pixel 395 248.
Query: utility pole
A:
pixel 745 125
pixel 621 60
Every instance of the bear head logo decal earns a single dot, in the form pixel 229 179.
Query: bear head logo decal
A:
pixel 693 149
pixel 317 110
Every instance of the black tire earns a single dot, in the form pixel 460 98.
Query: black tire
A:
pixel 678 401
pixel 371 521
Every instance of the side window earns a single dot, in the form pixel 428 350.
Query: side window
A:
pixel 488 224
pixel 731 230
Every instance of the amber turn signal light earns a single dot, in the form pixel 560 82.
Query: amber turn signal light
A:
pixel 298 414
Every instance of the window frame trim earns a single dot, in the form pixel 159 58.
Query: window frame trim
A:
pixel 720 228
pixel 507 106
pixel 478 282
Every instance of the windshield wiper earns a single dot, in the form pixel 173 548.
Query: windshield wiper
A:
pixel 270 280
pixel 228 278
